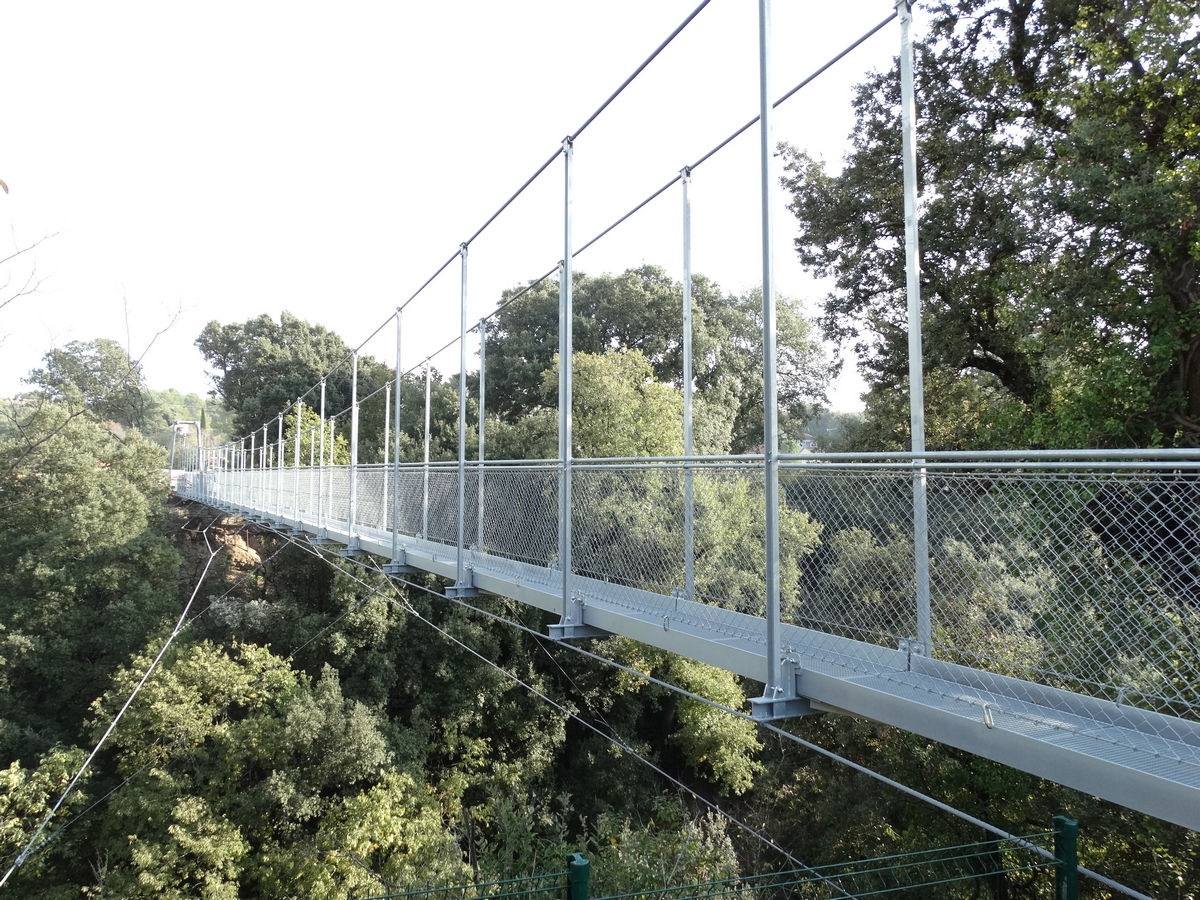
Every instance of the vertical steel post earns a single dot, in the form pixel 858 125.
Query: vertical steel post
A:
pixel 333 444
pixel 252 475
pixel 312 453
pixel 174 431
pixel 353 516
pixel 460 577
pixel 425 490
pixel 264 491
pixel 321 474
pixel 387 437
pixel 916 377
pixel 689 536
pixel 396 453
pixel 774 684
pixel 565 390
pixel 278 467
pixel 296 462
pixel 479 542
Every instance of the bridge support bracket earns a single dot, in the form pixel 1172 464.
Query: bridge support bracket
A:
pixel 399 565
pixel 322 538
pixel 564 631
pixel 353 548
pixel 911 647
pixel 574 626
pixel 783 701
pixel 465 588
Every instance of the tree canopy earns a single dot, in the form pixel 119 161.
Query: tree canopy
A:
pixel 1059 182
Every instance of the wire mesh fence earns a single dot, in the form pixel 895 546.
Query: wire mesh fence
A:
pixel 1081 576
pixel 1084 578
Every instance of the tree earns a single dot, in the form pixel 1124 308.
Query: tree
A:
pixel 98 376
pixel 1058 187
pixel 86 574
pixel 642 309
pixel 262 367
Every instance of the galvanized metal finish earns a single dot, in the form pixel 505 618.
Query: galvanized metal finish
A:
pixel 460 577
pixel 321 474
pixel 279 472
pixel 1038 609
pixel 296 460
pixel 332 458
pixel 396 450
pixel 387 431
pixel 480 539
pixel 689 537
pixel 565 391
pixel 1065 600
pixel 425 500
pixel 774 685
pixel 352 515
pixel 916 377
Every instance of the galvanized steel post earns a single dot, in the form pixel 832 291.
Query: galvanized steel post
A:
pixel 353 514
pixel 479 541
pixel 279 473
pixel 460 572
pixel 296 467
pixel 425 490
pixel 250 478
pixel 689 537
pixel 916 377
pixel 332 455
pixel 774 684
pixel 387 437
pixel 321 474
pixel 396 453
pixel 312 453
pixel 565 390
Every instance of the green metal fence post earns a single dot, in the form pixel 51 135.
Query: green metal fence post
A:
pixel 579 870
pixel 1066 855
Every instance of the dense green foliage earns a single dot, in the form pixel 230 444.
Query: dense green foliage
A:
pixel 642 310
pixel 317 730
pixel 1060 183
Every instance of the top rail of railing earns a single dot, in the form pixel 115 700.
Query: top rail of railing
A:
pixel 1161 458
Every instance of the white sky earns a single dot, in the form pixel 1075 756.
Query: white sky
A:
pixel 237 159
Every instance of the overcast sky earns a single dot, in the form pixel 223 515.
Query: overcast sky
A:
pixel 226 160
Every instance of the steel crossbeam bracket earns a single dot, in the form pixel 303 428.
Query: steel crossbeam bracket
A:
pixel 573 624
pixel 399 564
pixel 464 581
pixel 785 701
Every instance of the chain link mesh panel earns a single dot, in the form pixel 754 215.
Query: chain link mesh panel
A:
pixel 1086 579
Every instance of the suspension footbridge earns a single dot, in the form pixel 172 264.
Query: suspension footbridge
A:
pixel 1037 609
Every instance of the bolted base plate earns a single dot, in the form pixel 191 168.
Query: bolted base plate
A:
pixel 566 630
pixel 767 709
